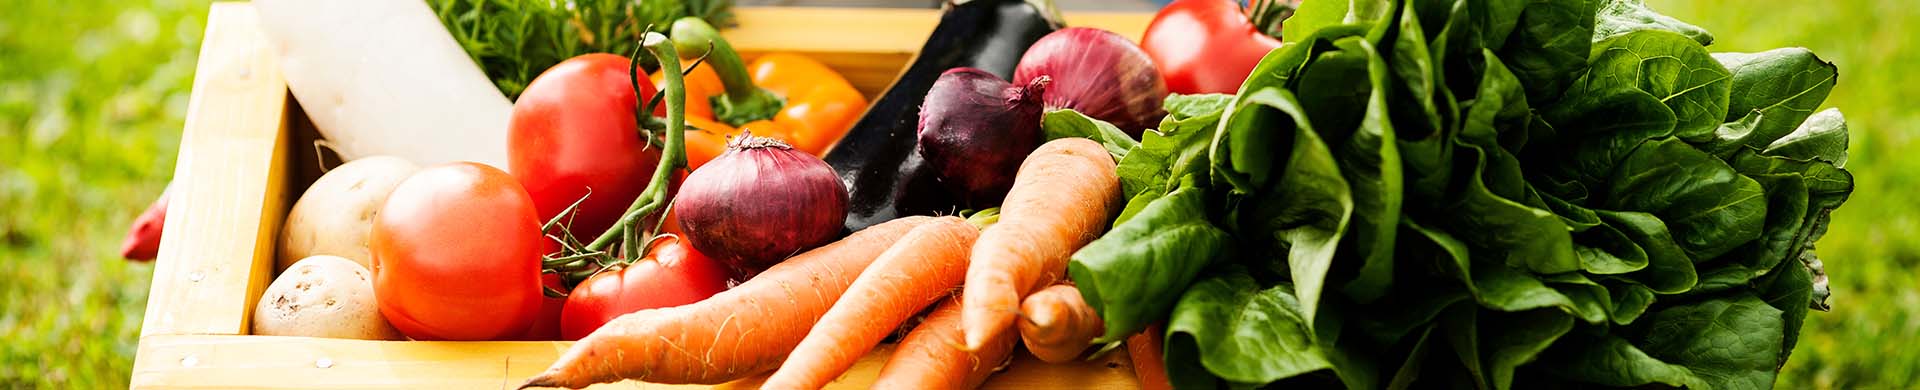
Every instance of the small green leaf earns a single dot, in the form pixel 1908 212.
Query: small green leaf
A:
pixel 1067 123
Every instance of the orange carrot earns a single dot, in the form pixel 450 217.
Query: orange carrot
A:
pixel 739 332
pixel 1148 365
pixel 916 272
pixel 1063 197
pixel 930 356
pixel 1059 324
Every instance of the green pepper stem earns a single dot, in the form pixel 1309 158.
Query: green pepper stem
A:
pixel 743 102
pixel 672 158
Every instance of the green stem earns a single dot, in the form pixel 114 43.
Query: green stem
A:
pixel 672 158
pixel 743 101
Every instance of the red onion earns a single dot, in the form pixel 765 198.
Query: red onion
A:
pixel 1098 73
pixel 975 129
pixel 760 202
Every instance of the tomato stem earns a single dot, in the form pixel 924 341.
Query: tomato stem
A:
pixel 743 102
pixel 672 158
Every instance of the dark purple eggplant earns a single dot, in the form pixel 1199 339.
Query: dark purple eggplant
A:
pixel 878 160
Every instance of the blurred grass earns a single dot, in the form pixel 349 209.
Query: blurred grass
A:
pixel 91 98
pixel 1871 252
pixel 92 94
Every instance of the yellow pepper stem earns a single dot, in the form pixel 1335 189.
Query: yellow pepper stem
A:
pixel 743 102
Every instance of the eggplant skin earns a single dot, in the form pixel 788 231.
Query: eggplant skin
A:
pixel 877 160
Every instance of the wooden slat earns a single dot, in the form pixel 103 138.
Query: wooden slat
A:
pixel 871 46
pixel 274 362
pixel 229 191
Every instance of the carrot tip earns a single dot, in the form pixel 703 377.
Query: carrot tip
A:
pixel 542 380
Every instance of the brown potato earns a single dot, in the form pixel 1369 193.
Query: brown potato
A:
pixel 323 296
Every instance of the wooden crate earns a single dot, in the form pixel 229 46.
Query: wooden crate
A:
pixel 245 155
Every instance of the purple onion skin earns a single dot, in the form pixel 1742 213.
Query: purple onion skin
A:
pixel 1098 73
pixel 759 203
pixel 975 129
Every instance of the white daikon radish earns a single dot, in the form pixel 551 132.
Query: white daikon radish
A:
pixel 383 77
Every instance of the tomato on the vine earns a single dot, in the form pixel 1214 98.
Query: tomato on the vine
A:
pixel 672 274
pixel 573 131
pixel 456 255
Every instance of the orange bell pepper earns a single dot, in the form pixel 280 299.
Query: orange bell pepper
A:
pixel 780 95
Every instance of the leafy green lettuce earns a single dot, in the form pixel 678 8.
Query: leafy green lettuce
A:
pixel 1486 194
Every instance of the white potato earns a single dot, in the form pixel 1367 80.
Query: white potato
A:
pixel 323 296
pixel 334 216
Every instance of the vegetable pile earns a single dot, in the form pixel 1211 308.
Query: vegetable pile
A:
pixel 1488 194
pixel 1402 194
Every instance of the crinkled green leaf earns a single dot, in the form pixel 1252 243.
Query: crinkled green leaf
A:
pixel 1709 207
pixel 1629 302
pixel 1669 270
pixel 1133 274
pixel 1512 339
pixel 1549 45
pixel 1791 291
pixel 1185 109
pixel 1779 90
pixel 1409 371
pixel 1668 67
pixel 1314 16
pixel 1822 137
pixel 1244 159
pixel 1492 206
pixel 1461 326
pixel 1592 302
pixel 1609 360
pixel 1618 17
pixel 1363 141
pixel 1178 148
pixel 1414 93
pixel 1308 207
pixel 1493 285
pixel 1729 343
pixel 1242 332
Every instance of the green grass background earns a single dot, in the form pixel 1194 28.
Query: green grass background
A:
pixel 92 95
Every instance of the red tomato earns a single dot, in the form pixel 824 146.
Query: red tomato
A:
pixel 573 130
pixel 1205 46
pixel 672 274
pixel 546 324
pixel 456 255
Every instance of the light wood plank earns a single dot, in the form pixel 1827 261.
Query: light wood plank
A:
pixel 274 362
pixel 229 187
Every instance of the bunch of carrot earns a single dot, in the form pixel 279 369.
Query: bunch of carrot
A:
pixel 1065 195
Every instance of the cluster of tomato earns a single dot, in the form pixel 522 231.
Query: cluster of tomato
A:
pixel 464 241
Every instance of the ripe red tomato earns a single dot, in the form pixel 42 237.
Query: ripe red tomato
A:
pixel 1205 46
pixel 456 255
pixel 546 323
pixel 672 274
pixel 572 130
